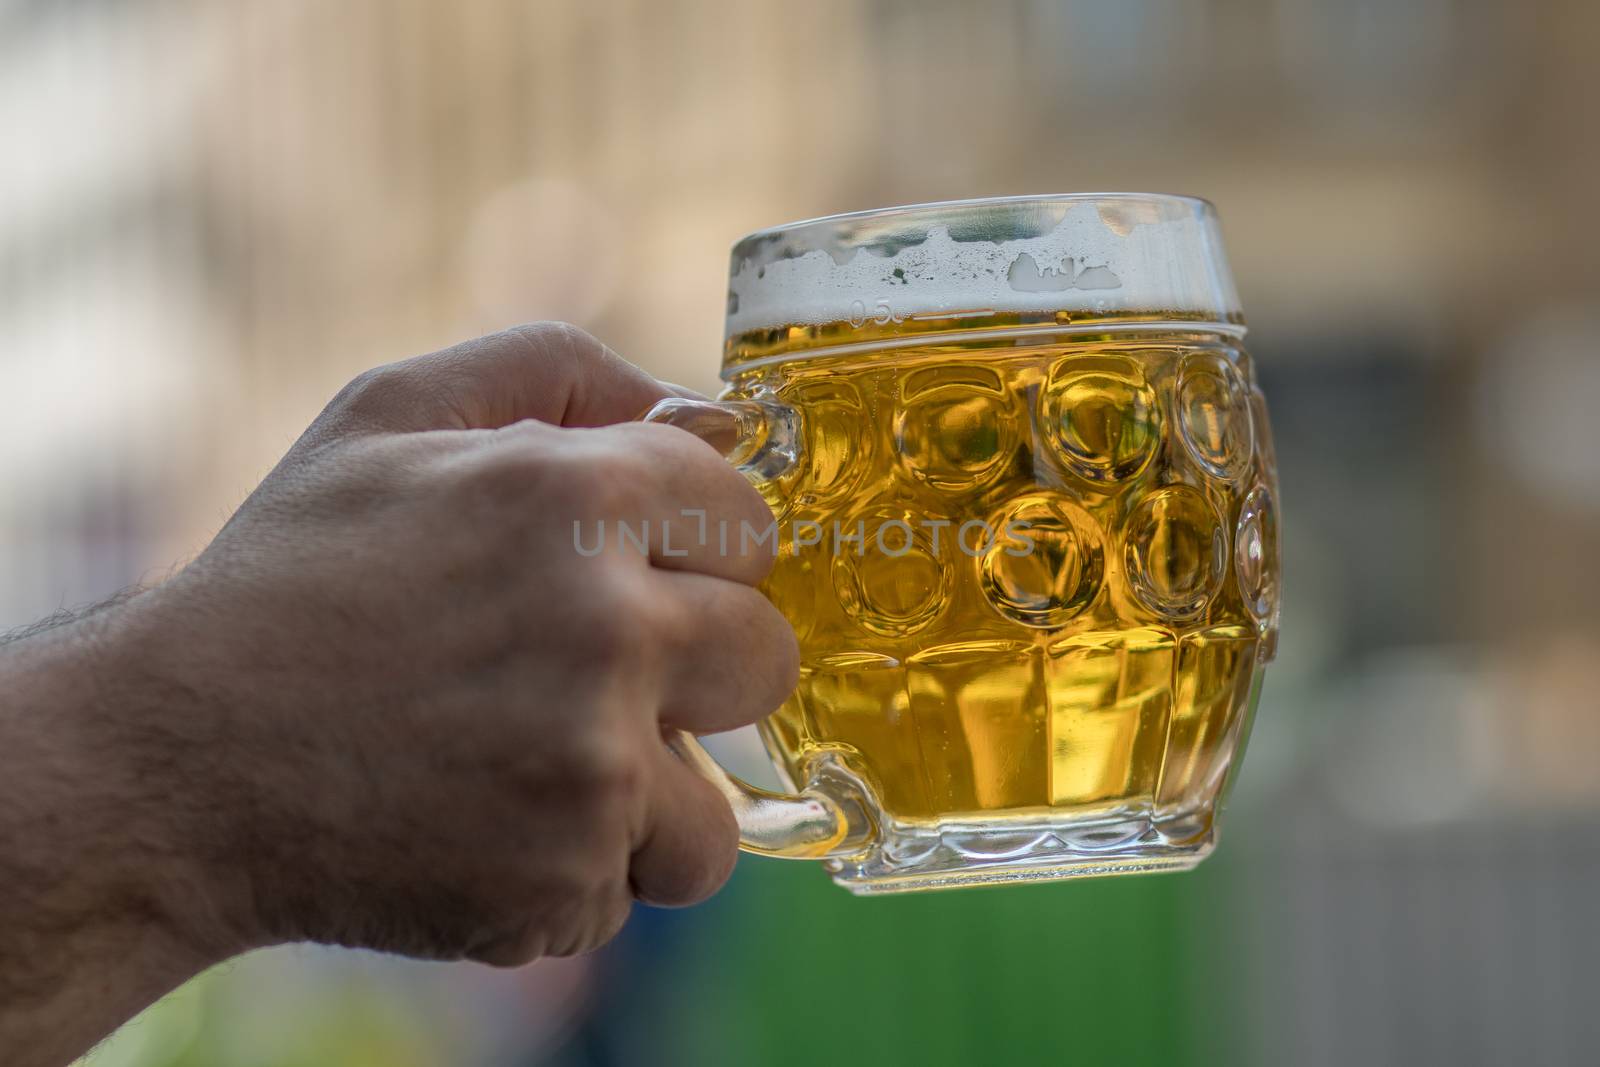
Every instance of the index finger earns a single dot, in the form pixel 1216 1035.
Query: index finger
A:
pixel 547 371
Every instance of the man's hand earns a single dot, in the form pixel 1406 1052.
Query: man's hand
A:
pixel 392 705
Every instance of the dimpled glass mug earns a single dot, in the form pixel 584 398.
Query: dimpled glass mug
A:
pixel 1026 533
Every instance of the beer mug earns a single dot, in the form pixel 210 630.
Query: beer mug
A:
pixel 1025 529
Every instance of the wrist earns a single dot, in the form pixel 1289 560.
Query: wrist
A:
pixel 107 816
pixel 164 704
pixel 103 906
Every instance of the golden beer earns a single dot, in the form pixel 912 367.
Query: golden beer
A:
pixel 1030 554
pixel 1102 672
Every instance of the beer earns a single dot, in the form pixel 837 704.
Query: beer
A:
pixel 1097 660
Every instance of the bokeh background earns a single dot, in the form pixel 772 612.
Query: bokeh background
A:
pixel 213 214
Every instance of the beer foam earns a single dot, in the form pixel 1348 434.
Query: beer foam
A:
pixel 1088 253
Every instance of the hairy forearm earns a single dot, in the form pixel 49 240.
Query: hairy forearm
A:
pixel 68 616
pixel 92 869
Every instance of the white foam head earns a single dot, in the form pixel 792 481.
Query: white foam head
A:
pixel 1084 252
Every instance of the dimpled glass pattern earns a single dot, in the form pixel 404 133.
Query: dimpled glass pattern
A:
pixel 1063 702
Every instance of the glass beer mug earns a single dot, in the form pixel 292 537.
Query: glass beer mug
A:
pixel 1026 533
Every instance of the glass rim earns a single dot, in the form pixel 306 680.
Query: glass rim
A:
pixel 871 214
pixel 1061 262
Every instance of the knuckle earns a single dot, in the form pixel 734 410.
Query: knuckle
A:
pixel 600 917
pixel 602 769
pixel 608 485
pixel 615 910
pixel 523 944
pixel 665 437
pixel 486 491
pixel 610 914
pixel 555 340
pixel 504 474
pixel 514 483
pixel 531 476
pixel 573 480
pixel 616 629
pixel 667 444
pixel 377 391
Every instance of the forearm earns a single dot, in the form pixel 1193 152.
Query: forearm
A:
pixel 92 868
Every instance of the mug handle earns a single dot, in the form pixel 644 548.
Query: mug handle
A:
pixel 762 440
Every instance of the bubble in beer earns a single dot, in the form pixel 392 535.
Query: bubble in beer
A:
pixel 1175 552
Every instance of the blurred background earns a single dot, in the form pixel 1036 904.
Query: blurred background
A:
pixel 213 214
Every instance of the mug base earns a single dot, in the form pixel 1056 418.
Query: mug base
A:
pixel 906 858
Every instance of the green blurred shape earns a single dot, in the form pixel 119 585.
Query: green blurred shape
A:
pixel 792 970
pixel 217 1020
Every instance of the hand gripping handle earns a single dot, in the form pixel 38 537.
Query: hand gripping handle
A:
pixel 762 440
